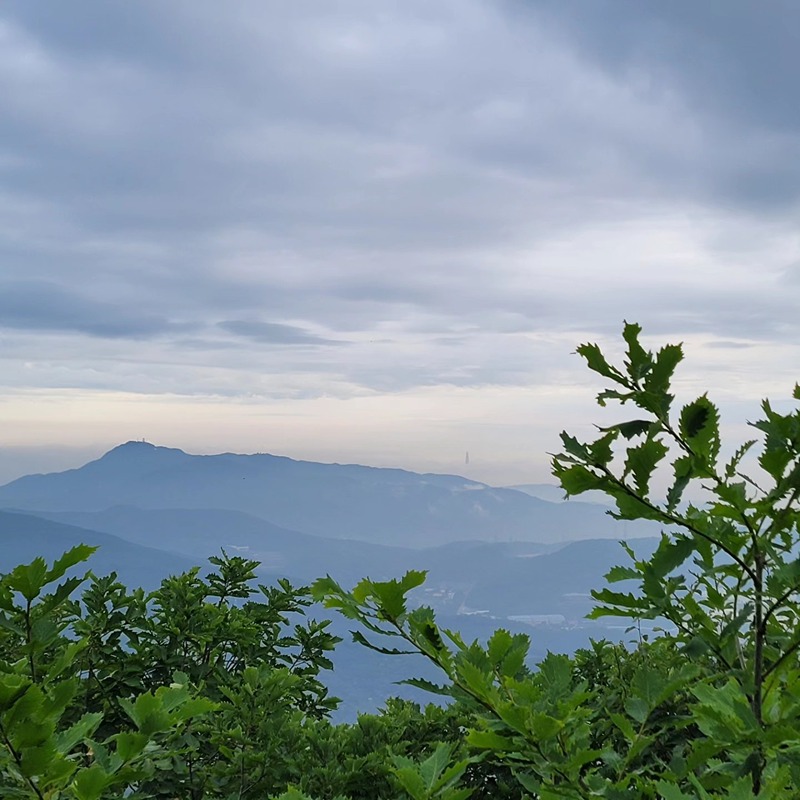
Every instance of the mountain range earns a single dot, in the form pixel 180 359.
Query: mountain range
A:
pixel 382 506
pixel 494 556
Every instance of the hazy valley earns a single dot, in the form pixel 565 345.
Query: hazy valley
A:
pixel 495 556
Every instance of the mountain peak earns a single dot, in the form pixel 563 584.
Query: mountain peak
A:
pixel 138 451
pixel 135 444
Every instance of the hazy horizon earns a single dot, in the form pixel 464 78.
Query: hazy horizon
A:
pixel 18 462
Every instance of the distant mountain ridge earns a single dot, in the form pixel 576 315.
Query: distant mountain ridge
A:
pixel 386 506
pixel 198 534
pixel 25 537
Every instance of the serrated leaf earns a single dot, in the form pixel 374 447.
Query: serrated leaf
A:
pixel 596 362
pixel 28 579
pixel 642 461
pixel 577 479
pixel 82 729
pixel 664 365
pixel 498 645
pixel 391 595
pixel 670 554
pixel 130 745
pixel 616 574
pixel 601 451
pixel 629 507
pixel 670 791
pixel 632 429
pixel 428 686
pixel 10 626
pixel 574 447
pixel 545 726
pixel 489 740
pixel 683 470
pixel 699 426
pixel 73 556
pixel 736 459
pixel 359 638
pixel 624 725
pixel 639 360
pixel 90 783
pixel 637 708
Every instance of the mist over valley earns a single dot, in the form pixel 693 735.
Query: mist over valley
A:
pixel 495 556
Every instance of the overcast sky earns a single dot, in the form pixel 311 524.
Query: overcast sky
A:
pixel 376 231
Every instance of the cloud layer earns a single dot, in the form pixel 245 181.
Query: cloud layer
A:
pixel 273 202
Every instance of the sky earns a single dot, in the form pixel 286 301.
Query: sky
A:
pixel 374 231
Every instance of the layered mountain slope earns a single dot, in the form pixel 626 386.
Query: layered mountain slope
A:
pixel 198 534
pixel 501 578
pixel 25 537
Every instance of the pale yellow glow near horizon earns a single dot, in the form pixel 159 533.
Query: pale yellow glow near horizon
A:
pixel 508 431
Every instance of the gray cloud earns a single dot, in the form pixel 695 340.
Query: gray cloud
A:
pixel 427 182
pixel 734 57
pixel 45 306
pixel 274 333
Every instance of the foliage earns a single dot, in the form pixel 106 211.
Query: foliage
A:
pixel 362 760
pixel 112 694
pixel 207 688
pixel 712 707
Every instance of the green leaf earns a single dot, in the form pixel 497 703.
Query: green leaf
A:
pixel 81 730
pixel 658 380
pixel 630 507
pixel 620 604
pixel 683 468
pixel 637 709
pixel 147 713
pixel 428 686
pixel 322 588
pixel 733 465
pixel 507 652
pixel 37 759
pixel 432 778
pixel 616 574
pixel 596 362
pixel 490 740
pixel 575 447
pixel 639 360
pixel 130 745
pixel 545 726
pixel 75 555
pixel 66 658
pixel 11 626
pixel 577 479
pixel 699 426
pixel 390 595
pixel 642 461
pixel 624 725
pixel 90 783
pixel 28 579
pixel 670 554
pixel 632 429
pixel 670 791
pixel 359 638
